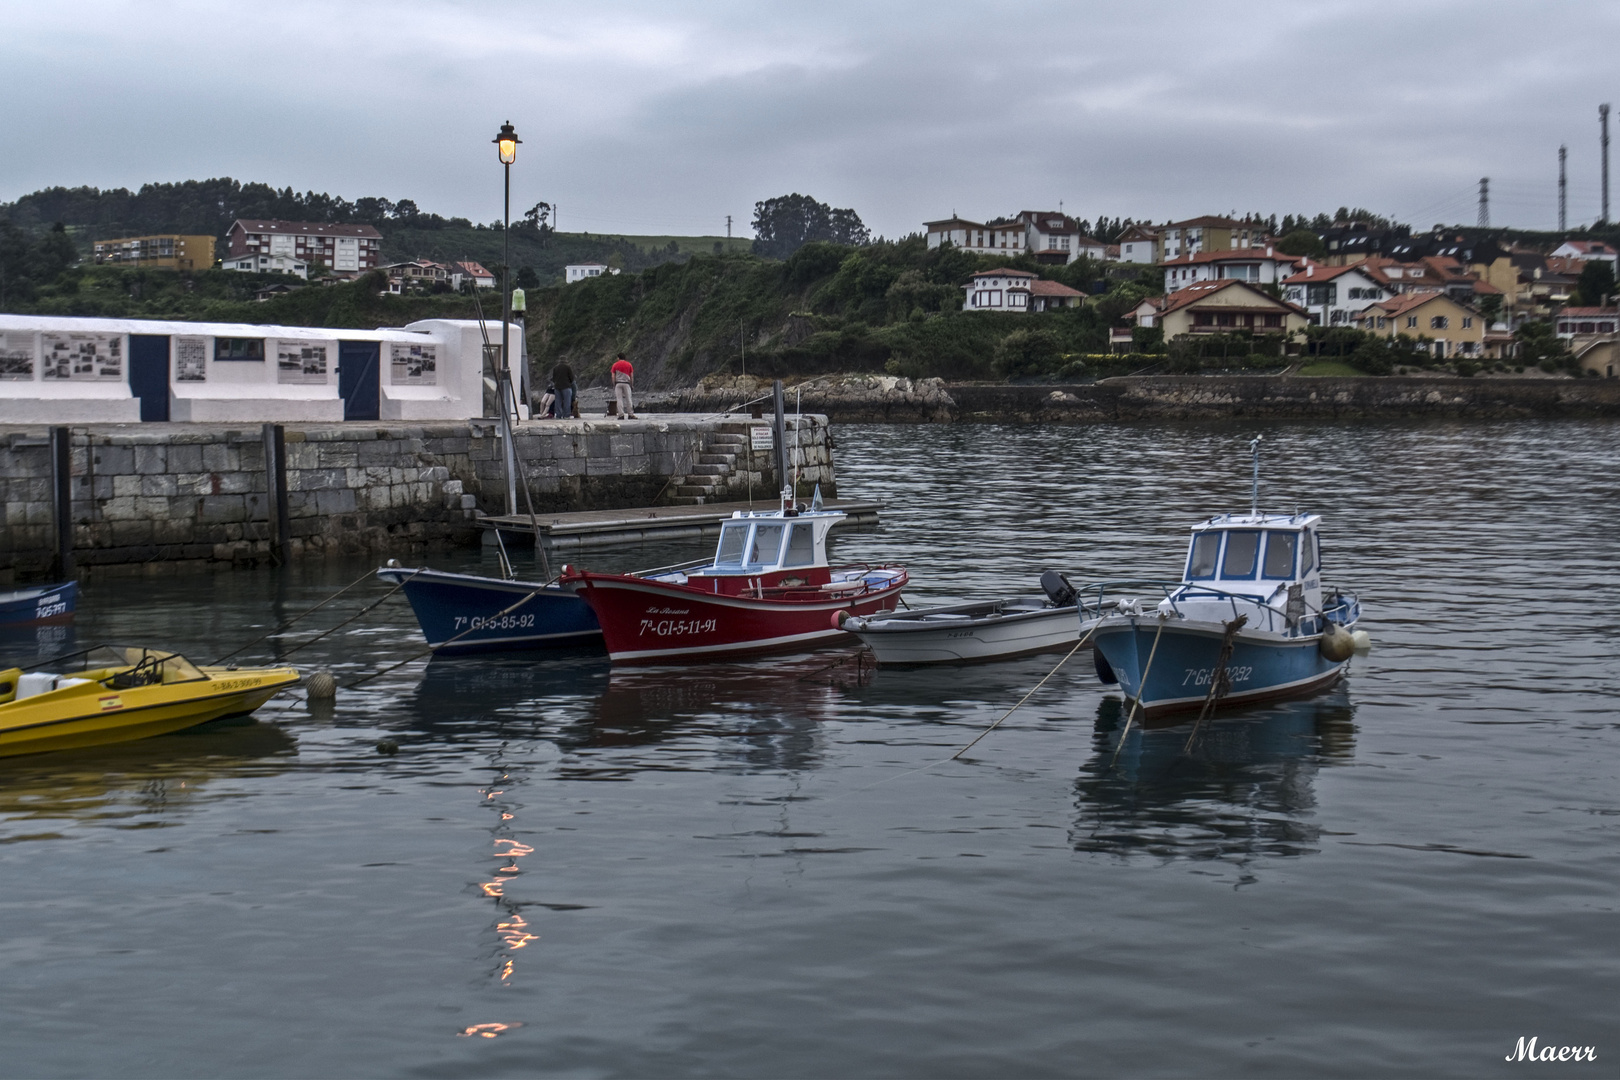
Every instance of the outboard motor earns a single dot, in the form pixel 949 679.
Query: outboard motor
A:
pixel 1058 589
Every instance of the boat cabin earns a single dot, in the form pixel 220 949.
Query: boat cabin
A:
pixel 1258 555
pixel 768 550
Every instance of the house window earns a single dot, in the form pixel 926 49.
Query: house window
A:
pixel 1468 322
pixel 1606 328
pixel 1411 322
pixel 1585 328
pixel 1017 299
pixel 1439 322
pixel 1273 321
pixel 1383 323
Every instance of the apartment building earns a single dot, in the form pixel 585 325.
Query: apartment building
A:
pixel 168 251
pixel 346 250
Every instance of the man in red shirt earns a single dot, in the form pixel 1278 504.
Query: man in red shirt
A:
pixel 623 375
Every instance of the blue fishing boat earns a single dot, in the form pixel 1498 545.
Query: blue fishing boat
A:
pixel 465 613
pixel 38 605
pixel 1250 619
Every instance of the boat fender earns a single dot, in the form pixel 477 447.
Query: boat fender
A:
pixel 1104 671
pixel 1057 588
pixel 1336 644
pixel 1362 641
pixel 322 686
pixel 843 620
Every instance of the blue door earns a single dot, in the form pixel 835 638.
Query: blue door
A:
pixel 357 378
pixel 149 374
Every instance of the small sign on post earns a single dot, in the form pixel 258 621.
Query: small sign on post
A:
pixel 761 437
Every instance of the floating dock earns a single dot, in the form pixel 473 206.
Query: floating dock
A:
pixel 598 528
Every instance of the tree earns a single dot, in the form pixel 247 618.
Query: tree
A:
pixel 1539 344
pixel 1024 353
pixel 527 278
pixel 1596 282
pixel 786 223
pixel 1301 242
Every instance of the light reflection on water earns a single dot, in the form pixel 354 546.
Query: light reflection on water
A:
pixel 755 868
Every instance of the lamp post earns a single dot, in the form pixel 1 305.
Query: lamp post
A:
pixel 506 144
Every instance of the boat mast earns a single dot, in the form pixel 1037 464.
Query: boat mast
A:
pixel 788 494
pixel 1254 505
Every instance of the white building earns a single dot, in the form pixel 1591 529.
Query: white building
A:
pixel 255 262
pixel 346 250
pixel 580 271
pixel 1257 266
pixel 1139 244
pixel 60 370
pixel 1334 295
pixel 1585 250
pixel 1208 233
pixel 1048 235
pixel 1017 291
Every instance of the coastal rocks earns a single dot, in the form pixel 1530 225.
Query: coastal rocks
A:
pixel 851 398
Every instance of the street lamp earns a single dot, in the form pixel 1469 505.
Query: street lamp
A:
pixel 506 144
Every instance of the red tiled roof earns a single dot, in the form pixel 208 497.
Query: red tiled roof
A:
pixel 1004 272
pixel 1042 287
pixel 1194 293
pixel 1206 222
pixel 1590 312
pixel 474 269
pixel 1589 246
pixel 1316 272
pixel 1406 302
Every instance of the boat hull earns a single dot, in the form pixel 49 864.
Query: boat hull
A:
pixel 447 605
pixel 1261 667
pixel 648 622
pixel 92 715
pixel 966 633
pixel 38 606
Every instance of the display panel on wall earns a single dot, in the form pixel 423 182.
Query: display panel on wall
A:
pixel 413 365
pixel 190 359
pixel 83 357
pixel 17 357
pixel 301 362
pixel 238 348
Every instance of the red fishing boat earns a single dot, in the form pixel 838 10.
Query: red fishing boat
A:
pixel 768 589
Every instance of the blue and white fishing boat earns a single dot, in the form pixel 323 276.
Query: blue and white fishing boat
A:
pixel 465 613
pixel 1250 619
pixel 38 605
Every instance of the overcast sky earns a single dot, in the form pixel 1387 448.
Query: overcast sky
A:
pixel 666 117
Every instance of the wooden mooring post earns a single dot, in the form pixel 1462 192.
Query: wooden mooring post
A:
pixel 62 500
pixel 275 486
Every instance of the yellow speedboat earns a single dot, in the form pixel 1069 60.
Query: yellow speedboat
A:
pixel 117 693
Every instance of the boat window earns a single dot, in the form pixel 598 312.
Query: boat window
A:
pixel 1241 548
pixel 801 548
pixel 1307 556
pixel 1205 547
pixel 732 539
pixel 1280 554
pixel 767 542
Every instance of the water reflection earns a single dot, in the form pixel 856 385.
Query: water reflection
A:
pixel 1241 786
pixel 136 779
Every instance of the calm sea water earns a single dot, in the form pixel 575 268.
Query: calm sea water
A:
pixel 746 870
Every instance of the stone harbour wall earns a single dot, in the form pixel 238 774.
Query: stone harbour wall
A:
pixel 149 495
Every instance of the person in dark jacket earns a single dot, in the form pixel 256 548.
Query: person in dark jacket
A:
pixel 562 377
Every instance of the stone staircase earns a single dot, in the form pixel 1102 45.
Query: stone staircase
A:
pixel 705 481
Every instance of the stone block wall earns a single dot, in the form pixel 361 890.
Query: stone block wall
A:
pixel 160 494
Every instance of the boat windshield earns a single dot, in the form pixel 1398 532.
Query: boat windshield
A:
pixel 801 548
pixel 1241 547
pixel 767 542
pixel 732 539
pixel 1206 546
pixel 1280 554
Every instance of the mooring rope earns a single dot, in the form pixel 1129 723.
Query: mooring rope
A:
pixel 356 615
pixel 1219 681
pixel 1141 688
pixel 286 625
pixel 530 595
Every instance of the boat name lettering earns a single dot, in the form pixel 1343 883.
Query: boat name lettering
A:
pixel 1201 676
pixel 49 607
pixel 668 611
pixel 111 701
pixel 676 627
pixel 494 622
pixel 229 685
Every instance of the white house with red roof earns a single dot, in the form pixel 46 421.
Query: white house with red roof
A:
pixel 1573 322
pixel 347 250
pixel 1017 291
pixel 1049 236
pixel 1220 307
pixel 467 270
pixel 1139 244
pixel 1333 295
pixel 1257 266
pixel 1585 250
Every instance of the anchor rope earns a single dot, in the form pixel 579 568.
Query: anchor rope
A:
pixel 530 595
pixel 1219 682
pixel 356 615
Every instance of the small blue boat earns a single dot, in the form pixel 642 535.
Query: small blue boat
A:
pixel 1250 620
pixel 466 613
pixel 39 605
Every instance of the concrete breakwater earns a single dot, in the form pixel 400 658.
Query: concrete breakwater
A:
pixel 886 399
pixel 164 494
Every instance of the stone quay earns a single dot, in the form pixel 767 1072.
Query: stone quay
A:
pixel 154 496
